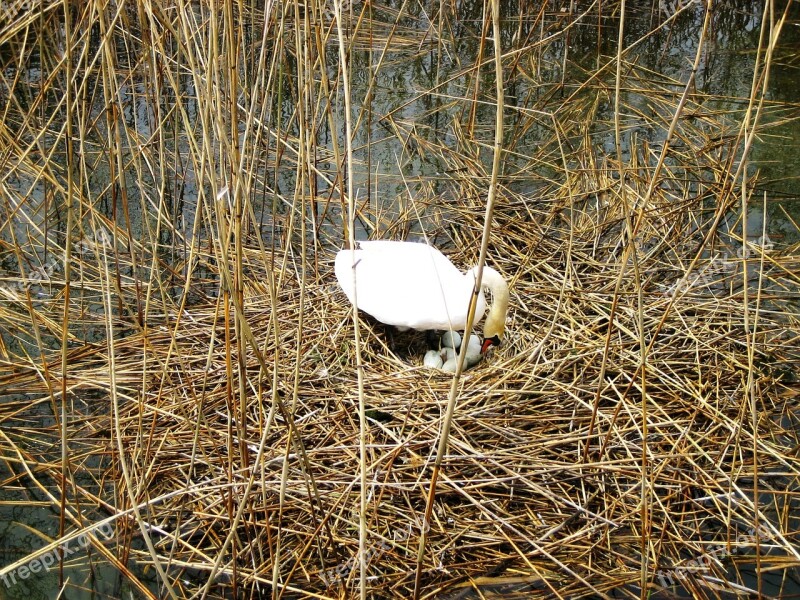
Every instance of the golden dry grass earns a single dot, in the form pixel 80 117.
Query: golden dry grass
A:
pixel 200 374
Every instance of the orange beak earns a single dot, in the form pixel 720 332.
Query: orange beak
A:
pixel 489 342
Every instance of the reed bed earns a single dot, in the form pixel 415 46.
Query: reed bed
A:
pixel 178 361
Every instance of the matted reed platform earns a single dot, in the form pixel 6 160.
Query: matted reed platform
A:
pixel 639 424
pixel 570 445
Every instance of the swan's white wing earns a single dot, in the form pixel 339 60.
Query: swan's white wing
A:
pixel 407 284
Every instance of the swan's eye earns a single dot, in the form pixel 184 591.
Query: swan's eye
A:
pixel 489 342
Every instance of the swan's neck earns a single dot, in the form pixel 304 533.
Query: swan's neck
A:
pixel 496 319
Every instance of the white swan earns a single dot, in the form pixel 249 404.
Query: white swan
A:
pixel 413 285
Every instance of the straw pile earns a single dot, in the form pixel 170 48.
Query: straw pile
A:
pixel 638 424
pixel 548 457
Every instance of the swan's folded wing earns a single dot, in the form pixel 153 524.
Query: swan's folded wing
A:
pixel 406 285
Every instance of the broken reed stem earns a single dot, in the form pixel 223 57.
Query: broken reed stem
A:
pixel 447 421
pixel 131 489
pixel 351 213
pixel 65 315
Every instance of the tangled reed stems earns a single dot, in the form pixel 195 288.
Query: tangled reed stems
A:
pixel 191 377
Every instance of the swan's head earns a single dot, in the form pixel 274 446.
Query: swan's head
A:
pixel 495 326
pixel 489 341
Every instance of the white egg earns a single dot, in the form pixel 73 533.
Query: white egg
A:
pixel 474 355
pixel 451 339
pixel 433 359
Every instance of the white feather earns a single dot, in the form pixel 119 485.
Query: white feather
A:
pixel 408 284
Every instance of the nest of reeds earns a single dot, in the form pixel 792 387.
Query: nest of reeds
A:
pixel 633 399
